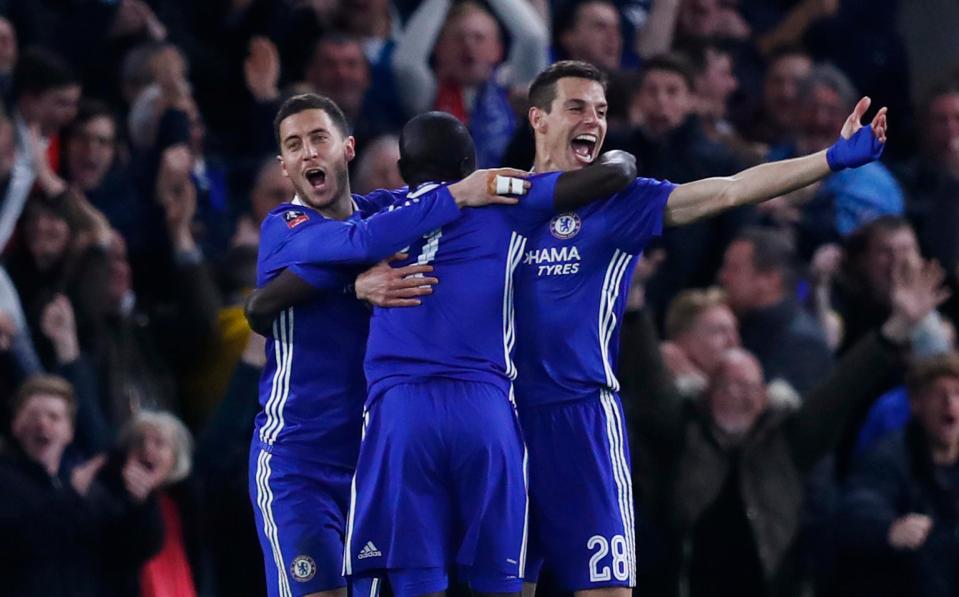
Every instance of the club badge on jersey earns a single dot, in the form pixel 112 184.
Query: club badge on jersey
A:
pixel 294 218
pixel 565 226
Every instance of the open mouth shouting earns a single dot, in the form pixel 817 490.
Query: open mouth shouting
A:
pixel 316 178
pixel 584 147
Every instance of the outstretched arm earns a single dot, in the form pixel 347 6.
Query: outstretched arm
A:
pixel 411 58
pixel 857 145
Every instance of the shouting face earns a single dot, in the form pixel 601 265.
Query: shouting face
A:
pixel 571 133
pixel 314 154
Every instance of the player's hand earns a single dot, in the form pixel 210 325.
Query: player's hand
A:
pixel 262 69
pixel 858 145
pixel 496 186
pixel 910 532
pixel 386 286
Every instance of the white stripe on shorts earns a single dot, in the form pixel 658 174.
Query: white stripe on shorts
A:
pixel 264 499
pixel 621 474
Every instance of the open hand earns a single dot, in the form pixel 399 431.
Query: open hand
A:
pixel 910 531
pixel 858 145
pixel 387 286
pixel 83 475
pixel 854 121
pixel 261 69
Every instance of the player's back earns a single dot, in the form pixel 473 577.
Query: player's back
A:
pixel 464 329
pixel 571 292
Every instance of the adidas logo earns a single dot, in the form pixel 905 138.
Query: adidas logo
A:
pixel 369 551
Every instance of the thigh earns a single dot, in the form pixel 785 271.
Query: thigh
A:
pixel 581 493
pixel 399 505
pixel 301 520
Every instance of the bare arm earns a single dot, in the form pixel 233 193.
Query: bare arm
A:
pixel 416 83
pixel 529 36
pixel 659 29
pixel 702 198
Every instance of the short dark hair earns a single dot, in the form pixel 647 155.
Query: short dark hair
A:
pixel 39 70
pixel 696 51
pixel 857 243
pixel 567 16
pixel 87 110
pixel 435 146
pixel 310 101
pixel 669 62
pixel 772 252
pixel 542 91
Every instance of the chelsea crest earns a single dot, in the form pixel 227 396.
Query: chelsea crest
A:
pixel 565 225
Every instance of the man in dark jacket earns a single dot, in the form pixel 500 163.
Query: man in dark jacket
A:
pixel 63 533
pixel 900 517
pixel 758 275
pixel 725 472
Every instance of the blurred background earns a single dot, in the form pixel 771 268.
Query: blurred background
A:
pixel 137 160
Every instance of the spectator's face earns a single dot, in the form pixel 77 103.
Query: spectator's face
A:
pixel 8 46
pixel 340 71
pixel 315 154
pixel 737 393
pixel 43 429
pixel 156 451
pixel 718 82
pixel 271 189
pixel 887 249
pixel 937 410
pixel 595 37
pixel 782 86
pixel 699 18
pixel 55 108
pixel 90 150
pixel 664 100
pixel 380 169
pixel 573 131
pixel 712 334
pixel 469 48
pixel 48 236
pixel 822 115
pixel 738 276
pixel 942 127
pixel 119 282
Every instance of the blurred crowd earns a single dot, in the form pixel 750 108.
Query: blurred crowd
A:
pixel 790 370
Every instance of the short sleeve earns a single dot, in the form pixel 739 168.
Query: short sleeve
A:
pixel 635 215
pixel 536 206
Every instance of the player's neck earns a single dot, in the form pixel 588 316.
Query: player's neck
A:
pixel 341 208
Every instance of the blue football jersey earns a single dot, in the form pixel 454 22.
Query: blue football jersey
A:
pixel 464 329
pixel 571 290
pixel 312 388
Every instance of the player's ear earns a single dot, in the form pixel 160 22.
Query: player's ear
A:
pixel 537 119
pixel 279 158
pixel 350 148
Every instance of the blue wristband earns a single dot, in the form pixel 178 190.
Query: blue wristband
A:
pixel 862 148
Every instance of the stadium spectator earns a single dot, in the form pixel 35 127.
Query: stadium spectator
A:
pixel 8 58
pixel 466 82
pixel 57 517
pixel 932 177
pixel 590 31
pixel 862 292
pixel 899 516
pixel 669 143
pixel 157 454
pixel 378 167
pixel 725 471
pixel 845 200
pixel 700 327
pixel 46 93
pixel 787 68
pixel 270 188
pixel 759 277
pixel 703 19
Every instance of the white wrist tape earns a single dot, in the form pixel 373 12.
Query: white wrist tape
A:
pixel 507 185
